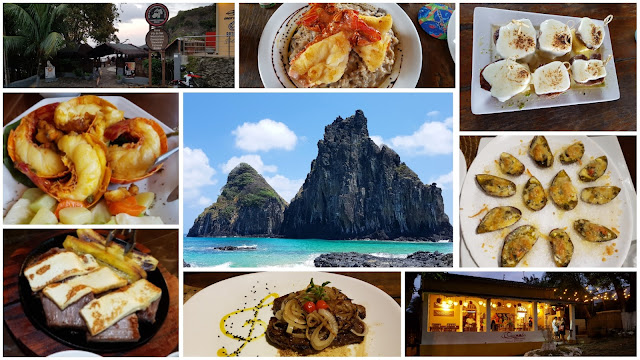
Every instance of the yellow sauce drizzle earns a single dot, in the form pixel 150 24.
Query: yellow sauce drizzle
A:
pixel 484 208
pixel 252 323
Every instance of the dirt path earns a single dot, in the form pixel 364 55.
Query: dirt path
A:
pixel 614 346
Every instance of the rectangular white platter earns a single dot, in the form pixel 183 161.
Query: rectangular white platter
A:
pixel 484 20
pixel 161 183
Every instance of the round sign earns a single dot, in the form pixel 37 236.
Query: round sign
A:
pixel 156 14
pixel 157 39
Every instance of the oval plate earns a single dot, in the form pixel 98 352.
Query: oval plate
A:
pixel 274 43
pixel 487 248
pixel 202 335
pixel 77 339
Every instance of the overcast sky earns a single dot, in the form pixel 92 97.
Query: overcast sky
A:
pixel 132 27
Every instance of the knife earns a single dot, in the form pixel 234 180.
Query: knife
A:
pixel 173 196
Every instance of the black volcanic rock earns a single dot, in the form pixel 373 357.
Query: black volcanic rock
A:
pixel 357 190
pixel 354 259
pixel 247 206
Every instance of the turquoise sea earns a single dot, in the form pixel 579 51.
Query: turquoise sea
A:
pixel 273 252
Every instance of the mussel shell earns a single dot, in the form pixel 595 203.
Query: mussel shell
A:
pixel 594 169
pixel 599 195
pixel 533 195
pixel 540 151
pixel 562 191
pixel 561 246
pixel 496 186
pixel 499 218
pixel 510 165
pixel 572 153
pixel 517 244
pixel 593 232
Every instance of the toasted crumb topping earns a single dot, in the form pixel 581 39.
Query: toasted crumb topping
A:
pixel 596 34
pixel 522 41
pixel 561 40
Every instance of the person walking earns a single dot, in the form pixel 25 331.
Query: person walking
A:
pixel 562 331
pixel 554 326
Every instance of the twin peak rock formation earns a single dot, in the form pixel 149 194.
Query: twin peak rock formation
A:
pixel 355 190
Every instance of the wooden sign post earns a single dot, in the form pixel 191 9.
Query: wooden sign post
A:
pixel 157 38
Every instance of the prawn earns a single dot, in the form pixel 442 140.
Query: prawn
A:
pixel 88 176
pixel 85 113
pixel 36 152
pixel 135 144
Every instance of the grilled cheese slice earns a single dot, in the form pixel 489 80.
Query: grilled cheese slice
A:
pixel 555 37
pixel 551 78
pixel 323 62
pixel 507 78
pixel 374 54
pixel 102 313
pixel 517 39
pixel 99 281
pixel 591 34
pixel 587 70
pixel 57 267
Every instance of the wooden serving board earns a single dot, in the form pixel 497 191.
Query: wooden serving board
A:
pixel 36 343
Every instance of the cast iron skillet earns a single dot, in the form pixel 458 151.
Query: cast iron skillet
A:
pixel 77 338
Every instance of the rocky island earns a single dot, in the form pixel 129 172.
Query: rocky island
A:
pixel 355 189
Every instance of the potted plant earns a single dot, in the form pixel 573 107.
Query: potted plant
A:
pixel 87 76
pixel 119 79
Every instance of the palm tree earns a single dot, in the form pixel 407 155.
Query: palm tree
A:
pixel 32 33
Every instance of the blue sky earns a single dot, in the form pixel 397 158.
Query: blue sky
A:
pixel 278 133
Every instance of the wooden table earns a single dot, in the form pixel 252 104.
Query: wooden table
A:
pixel 616 115
pixel 389 282
pixel 469 147
pixel 164 107
pixel 438 69
pixel 163 244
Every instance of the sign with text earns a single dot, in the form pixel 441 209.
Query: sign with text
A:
pixel 156 14
pixel 225 27
pixel 157 39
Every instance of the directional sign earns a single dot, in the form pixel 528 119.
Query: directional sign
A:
pixel 156 14
pixel 157 39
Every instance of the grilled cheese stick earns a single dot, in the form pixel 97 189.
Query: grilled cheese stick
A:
pixel 587 70
pixel 590 33
pixel 517 39
pixel 58 266
pixel 99 281
pixel 551 78
pixel 102 313
pixel 555 37
pixel 374 54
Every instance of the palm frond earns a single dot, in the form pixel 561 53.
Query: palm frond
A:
pixel 51 44
pixel 13 43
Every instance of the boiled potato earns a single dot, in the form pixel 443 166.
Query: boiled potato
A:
pixel 44 217
pixel 44 201
pixel 100 213
pixel 32 194
pixel 19 213
pixel 145 199
pixel 75 215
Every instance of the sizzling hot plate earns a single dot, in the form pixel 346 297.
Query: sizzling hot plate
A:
pixel 77 339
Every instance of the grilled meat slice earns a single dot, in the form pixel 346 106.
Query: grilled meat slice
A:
pixel 67 318
pixel 149 314
pixel 125 330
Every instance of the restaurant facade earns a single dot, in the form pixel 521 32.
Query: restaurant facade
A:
pixel 466 316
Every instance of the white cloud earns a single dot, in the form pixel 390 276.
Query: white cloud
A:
pixel 285 187
pixel 449 122
pixel 432 138
pixel 254 160
pixel 264 135
pixel 433 113
pixel 444 180
pixel 204 201
pixel 197 173
pixel 377 139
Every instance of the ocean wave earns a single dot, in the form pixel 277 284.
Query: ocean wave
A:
pixel 306 263
pixel 393 256
pixel 213 248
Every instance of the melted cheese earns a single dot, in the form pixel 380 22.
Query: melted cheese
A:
pixel 592 35
pixel 323 62
pixel 586 70
pixel 101 313
pixel 57 267
pixel 555 37
pixel 551 78
pixel 507 78
pixel 99 281
pixel 374 54
pixel 516 39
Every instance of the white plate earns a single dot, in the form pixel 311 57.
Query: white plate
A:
pixel 161 183
pixel 274 43
pixel 203 312
pixel 73 353
pixel 452 35
pixel 481 100
pixel 487 248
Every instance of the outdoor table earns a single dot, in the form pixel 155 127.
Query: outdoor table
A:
pixel 438 68
pixel 616 115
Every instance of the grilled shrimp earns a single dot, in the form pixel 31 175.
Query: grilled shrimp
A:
pixel 24 147
pixel 88 176
pixel 87 112
pixel 135 146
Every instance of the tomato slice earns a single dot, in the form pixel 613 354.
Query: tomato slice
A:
pixel 321 304
pixel 128 205
pixel 309 307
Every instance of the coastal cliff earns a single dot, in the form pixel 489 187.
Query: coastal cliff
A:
pixel 357 190
pixel 247 206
